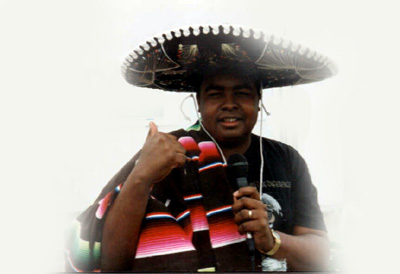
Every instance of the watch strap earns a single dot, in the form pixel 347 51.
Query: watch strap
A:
pixel 277 244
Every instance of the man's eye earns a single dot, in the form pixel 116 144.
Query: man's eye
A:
pixel 243 93
pixel 214 94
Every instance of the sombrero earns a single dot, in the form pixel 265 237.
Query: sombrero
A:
pixel 171 60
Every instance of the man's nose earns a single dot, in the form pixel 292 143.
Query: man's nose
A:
pixel 229 102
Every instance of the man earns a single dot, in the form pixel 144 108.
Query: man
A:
pixel 172 207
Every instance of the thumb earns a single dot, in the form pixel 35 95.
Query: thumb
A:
pixel 153 129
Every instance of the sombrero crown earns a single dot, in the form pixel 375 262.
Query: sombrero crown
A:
pixel 170 61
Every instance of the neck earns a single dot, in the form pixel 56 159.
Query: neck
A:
pixel 230 148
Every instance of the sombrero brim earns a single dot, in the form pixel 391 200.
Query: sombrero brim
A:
pixel 168 61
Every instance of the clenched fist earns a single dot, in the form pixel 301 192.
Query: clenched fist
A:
pixel 160 154
pixel 247 199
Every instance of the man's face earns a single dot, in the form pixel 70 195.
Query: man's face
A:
pixel 228 105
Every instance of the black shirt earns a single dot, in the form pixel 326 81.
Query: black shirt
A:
pixel 291 197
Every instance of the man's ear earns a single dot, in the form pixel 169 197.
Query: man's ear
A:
pixel 198 101
pixel 258 102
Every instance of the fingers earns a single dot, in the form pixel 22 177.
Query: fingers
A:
pixel 162 151
pixel 171 140
pixel 247 203
pixel 159 155
pixel 171 151
pixel 175 146
pixel 180 149
pixel 253 226
pixel 255 221
pixel 250 214
pixel 247 215
pixel 247 191
pixel 252 220
pixel 181 160
pixel 153 130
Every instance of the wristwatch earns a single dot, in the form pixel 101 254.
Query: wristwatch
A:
pixel 277 240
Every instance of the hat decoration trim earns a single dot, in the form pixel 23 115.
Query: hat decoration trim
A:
pixel 166 61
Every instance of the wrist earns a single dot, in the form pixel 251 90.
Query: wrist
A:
pixel 276 244
pixel 139 176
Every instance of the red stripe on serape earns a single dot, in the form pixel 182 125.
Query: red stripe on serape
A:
pixel 187 225
pixel 197 215
pixel 162 236
pixel 209 153
pixel 223 230
pixel 103 205
pixel 190 145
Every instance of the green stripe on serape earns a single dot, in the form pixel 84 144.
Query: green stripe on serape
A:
pixel 80 254
pixel 195 127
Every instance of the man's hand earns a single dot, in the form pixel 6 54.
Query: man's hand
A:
pixel 247 199
pixel 305 250
pixel 160 154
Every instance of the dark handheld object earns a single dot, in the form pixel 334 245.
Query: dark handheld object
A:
pixel 238 168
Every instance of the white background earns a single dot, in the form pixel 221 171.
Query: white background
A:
pixel 69 121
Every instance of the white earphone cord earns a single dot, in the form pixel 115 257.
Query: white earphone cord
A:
pixel 261 151
pixel 262 107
